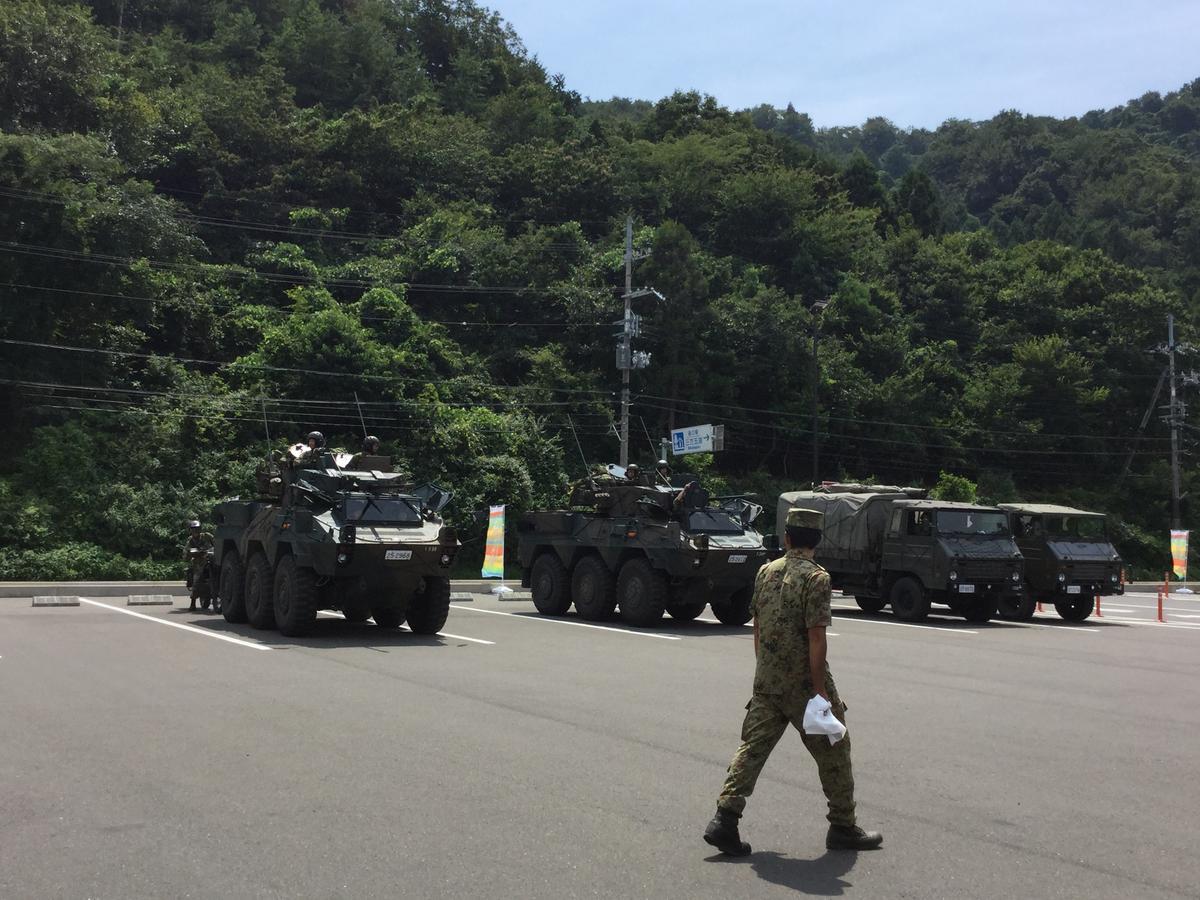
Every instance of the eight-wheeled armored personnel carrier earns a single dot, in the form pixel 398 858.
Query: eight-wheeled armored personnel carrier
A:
pixel 892 545
pixel 1069 560
pixel 320 536
pixel 642 549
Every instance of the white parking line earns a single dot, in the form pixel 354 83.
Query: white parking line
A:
pixel 458 637
pixel 179 625
pixel 1124 621
pixel 554 621
pixel 1082 629
pixel 905 625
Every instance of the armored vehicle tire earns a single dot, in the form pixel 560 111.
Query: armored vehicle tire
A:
pixel 429 607
pixel 871 604
pixel 594 589
pixel 387 616
pixel 685 612
pixel 548 584
pixel 1018 609
pixel 980 610
pixel 734 610
pixel 908 599
pixel 295 598
pixel 230 589
pixel 258 592
pixel 1075 610
pixel 641 593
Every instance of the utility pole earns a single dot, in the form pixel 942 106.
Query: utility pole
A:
pixel 1175 417
pixel 627 342
pixel 816 376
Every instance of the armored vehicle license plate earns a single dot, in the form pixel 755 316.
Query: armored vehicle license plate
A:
pixel 966 588
pixel 398 554
pixel 1072 589
pixel 737 557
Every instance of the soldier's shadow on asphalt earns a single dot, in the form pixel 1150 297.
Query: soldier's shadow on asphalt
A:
pixel 820 877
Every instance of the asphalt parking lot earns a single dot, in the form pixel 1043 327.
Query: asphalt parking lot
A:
pixel 153 752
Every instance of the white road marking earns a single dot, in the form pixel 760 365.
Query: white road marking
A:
pixel 906 625
pixel 1123 621
pixel 1083 629
pixel 1117 609
pixel 554 621
pixel 719 622
pixel 445 634
pixel 179 625
pixel 1177 615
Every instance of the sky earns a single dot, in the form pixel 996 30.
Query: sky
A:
pixel 916 62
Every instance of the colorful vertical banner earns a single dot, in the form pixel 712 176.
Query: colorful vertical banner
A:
pixel 1179 548
pixel 493 554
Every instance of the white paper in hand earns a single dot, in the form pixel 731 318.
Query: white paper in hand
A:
pixel 819 719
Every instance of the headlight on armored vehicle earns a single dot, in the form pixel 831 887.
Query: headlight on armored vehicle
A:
pixel 343 558
pixel 445 560
pixel 1062 577
pixel 1112 578
pixel 1016 576
pixel 954 576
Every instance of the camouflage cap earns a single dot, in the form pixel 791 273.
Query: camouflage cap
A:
pixel 804 518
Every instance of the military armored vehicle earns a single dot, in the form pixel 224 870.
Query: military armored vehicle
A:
pixel 320 535
pixel 1069 560
pixel 642 549
pixel 891 545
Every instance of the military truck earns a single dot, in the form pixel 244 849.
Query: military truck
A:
pixel 320 535
pixel 893 545
pixel 1069 560
pixel 642 549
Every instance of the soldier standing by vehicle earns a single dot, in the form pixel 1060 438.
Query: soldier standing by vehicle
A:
pixel 791 612
pixel 196 555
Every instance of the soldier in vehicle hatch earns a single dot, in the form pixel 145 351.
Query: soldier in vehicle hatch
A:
pixel 662 473
pixel 315 446
pixel 370 448
pixel 196 555
pixel 791 612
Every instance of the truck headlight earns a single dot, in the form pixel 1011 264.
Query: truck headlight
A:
pixel 954 576
pixel 1112 578
pixel 1016 576
pixel 1062 577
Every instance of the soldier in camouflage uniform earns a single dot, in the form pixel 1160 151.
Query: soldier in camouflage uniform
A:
pixel 791 613
pixel 202 541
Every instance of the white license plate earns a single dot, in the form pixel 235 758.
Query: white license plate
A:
pixel 966 588
pixel 1073 589
pixel 737 557
pixel 398 554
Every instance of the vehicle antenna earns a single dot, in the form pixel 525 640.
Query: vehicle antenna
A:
pixel 587 469
pixel 361 420
pixel 653 448
pixel 266 426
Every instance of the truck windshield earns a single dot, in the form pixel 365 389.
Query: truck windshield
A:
pixel 1082 528
pixel 712 521
pixel 380 510
pixel 969 521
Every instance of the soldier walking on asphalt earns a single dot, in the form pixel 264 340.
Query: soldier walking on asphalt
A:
pixel 791 613
pixel 203 542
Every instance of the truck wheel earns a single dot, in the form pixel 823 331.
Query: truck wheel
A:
pixel 387 616
pixel 295 598
pixel 230 589
pixel 1075 610
pixel 429 607
pixel 980 610
pixel 909 602
pixel 594 589
pixel 257 595
pixel 548 583
pixel 735 610
pixel 685 612
pixel 1018 608
pixel 641 593
pixel 871 604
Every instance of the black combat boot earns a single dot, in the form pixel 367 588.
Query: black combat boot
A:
pixel 851 837
pixel 722 833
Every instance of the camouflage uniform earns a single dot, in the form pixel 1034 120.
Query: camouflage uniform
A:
pixel 202 541
pixel 791 595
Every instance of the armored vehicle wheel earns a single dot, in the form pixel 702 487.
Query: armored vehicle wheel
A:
pixel 980 610
pixel 230 589
pixel 909 602
pixel 735 610
pixel 641 593
pixel 871 604
pixel 1019 609
pixel 387 616
pixel 1075 610
pixel 258 592
pixel 295 598
pixel 685 612
pixel 429 607
pixel 548 583
pixel 594 589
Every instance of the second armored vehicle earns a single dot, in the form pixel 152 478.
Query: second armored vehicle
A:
pixel 893 546
pixel 320 536
pixel 642 549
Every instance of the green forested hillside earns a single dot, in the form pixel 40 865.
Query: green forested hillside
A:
pixel 223 218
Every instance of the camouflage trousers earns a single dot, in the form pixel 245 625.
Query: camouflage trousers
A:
pixel 767 718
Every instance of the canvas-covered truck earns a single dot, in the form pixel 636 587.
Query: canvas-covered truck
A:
pixel 642 549
pixel 893 546
pixel 363 541
pixel 1069 560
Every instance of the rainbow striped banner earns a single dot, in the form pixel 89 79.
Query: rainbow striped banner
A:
pixel 493 554
pixel 1179 548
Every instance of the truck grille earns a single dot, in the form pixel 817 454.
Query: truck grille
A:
pixel 1089 571
pixel 984 570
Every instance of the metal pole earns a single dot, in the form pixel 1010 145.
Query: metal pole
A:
pixel 816 367
pixel 627 343
pixel 1175 417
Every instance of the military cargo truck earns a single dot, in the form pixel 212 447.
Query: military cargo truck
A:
pixel 1069 560
pixel 642 549
pixel 363 541
pixel 893 546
